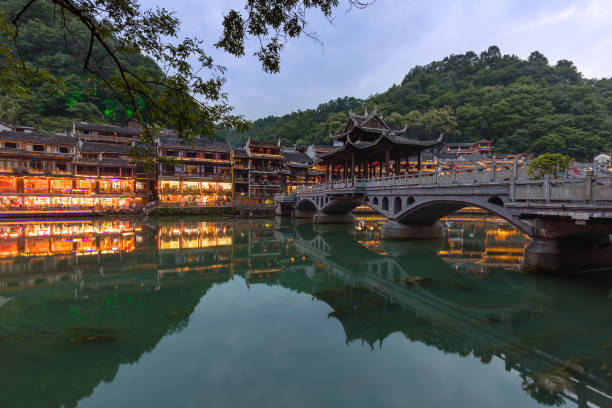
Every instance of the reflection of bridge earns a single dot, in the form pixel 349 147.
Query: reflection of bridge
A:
pixel 557 214
pixel 388 278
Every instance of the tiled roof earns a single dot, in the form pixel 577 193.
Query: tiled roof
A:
pixel 194 144
pixel 93 147
pixel 108 128
pixel 38 138
pixel 392 136
pixel 240 152
pixel 296 157
pixel 263 143
pixel 114 162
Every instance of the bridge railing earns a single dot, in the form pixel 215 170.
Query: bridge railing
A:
pixel 588 189
pixel 491 173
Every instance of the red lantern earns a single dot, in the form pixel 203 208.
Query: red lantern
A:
pixel 376 163
pixel 339 166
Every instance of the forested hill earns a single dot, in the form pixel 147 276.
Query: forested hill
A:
pixel 522 105
pixel 42 42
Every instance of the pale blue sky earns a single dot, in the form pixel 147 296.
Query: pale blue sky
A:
pixel 366 51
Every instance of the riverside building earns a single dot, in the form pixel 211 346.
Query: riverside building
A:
pixel 265 165
pixel 297 170
pixel 194 173
pixel 37 172
pixel 93 169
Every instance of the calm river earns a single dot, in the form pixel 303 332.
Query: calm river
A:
pixel 270 313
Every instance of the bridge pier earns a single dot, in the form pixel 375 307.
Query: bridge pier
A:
pixel 322 218
pixel 568 254
pixel 282 210
pixel 399 230
pixel 302 214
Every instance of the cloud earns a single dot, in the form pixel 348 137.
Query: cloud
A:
pixel 366 51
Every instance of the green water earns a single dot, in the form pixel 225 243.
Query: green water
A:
pixel 267 313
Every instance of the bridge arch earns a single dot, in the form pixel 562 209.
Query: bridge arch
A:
pixel 496 200
pixel 431 210
pixel 306 205
pixel 397 205
pixel 385 204
pixel 341 206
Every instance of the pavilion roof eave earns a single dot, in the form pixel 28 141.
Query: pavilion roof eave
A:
pixel 395 140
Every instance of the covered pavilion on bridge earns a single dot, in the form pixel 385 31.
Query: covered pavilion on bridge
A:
pixel 370 149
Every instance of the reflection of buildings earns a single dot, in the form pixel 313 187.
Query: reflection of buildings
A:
pixel 152 287
pixel 28 250
pixel 367 231
pixel 479 243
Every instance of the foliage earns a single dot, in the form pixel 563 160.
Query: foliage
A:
pixel 522 105
pixel 85 57
pixel 301 127
pixel 555 164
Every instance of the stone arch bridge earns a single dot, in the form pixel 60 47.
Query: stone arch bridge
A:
pixel 569 220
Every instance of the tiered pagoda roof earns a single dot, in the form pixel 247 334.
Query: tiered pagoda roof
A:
pixel 367 132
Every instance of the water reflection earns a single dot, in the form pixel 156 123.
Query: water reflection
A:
pixel 81 298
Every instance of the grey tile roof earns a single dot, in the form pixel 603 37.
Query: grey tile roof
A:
pixel 296 157
pixel 93 147
pixel 108 129
pixel 240 152
pixel 194 144
pixel 9 136
pixel 263 143
pixel 392 136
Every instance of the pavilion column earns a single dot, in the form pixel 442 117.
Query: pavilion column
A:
pixel 387 163
pixel 419 161
pixel 345 168
pixel 353 168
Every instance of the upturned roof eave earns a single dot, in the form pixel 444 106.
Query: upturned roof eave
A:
pixel 419 145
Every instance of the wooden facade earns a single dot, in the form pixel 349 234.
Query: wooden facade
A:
pixel 94 169
pixel 194 173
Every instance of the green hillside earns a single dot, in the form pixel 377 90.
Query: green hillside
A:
pixel 522 105
pixel 42 42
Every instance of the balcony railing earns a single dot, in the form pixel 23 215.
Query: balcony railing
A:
pixel 36 190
